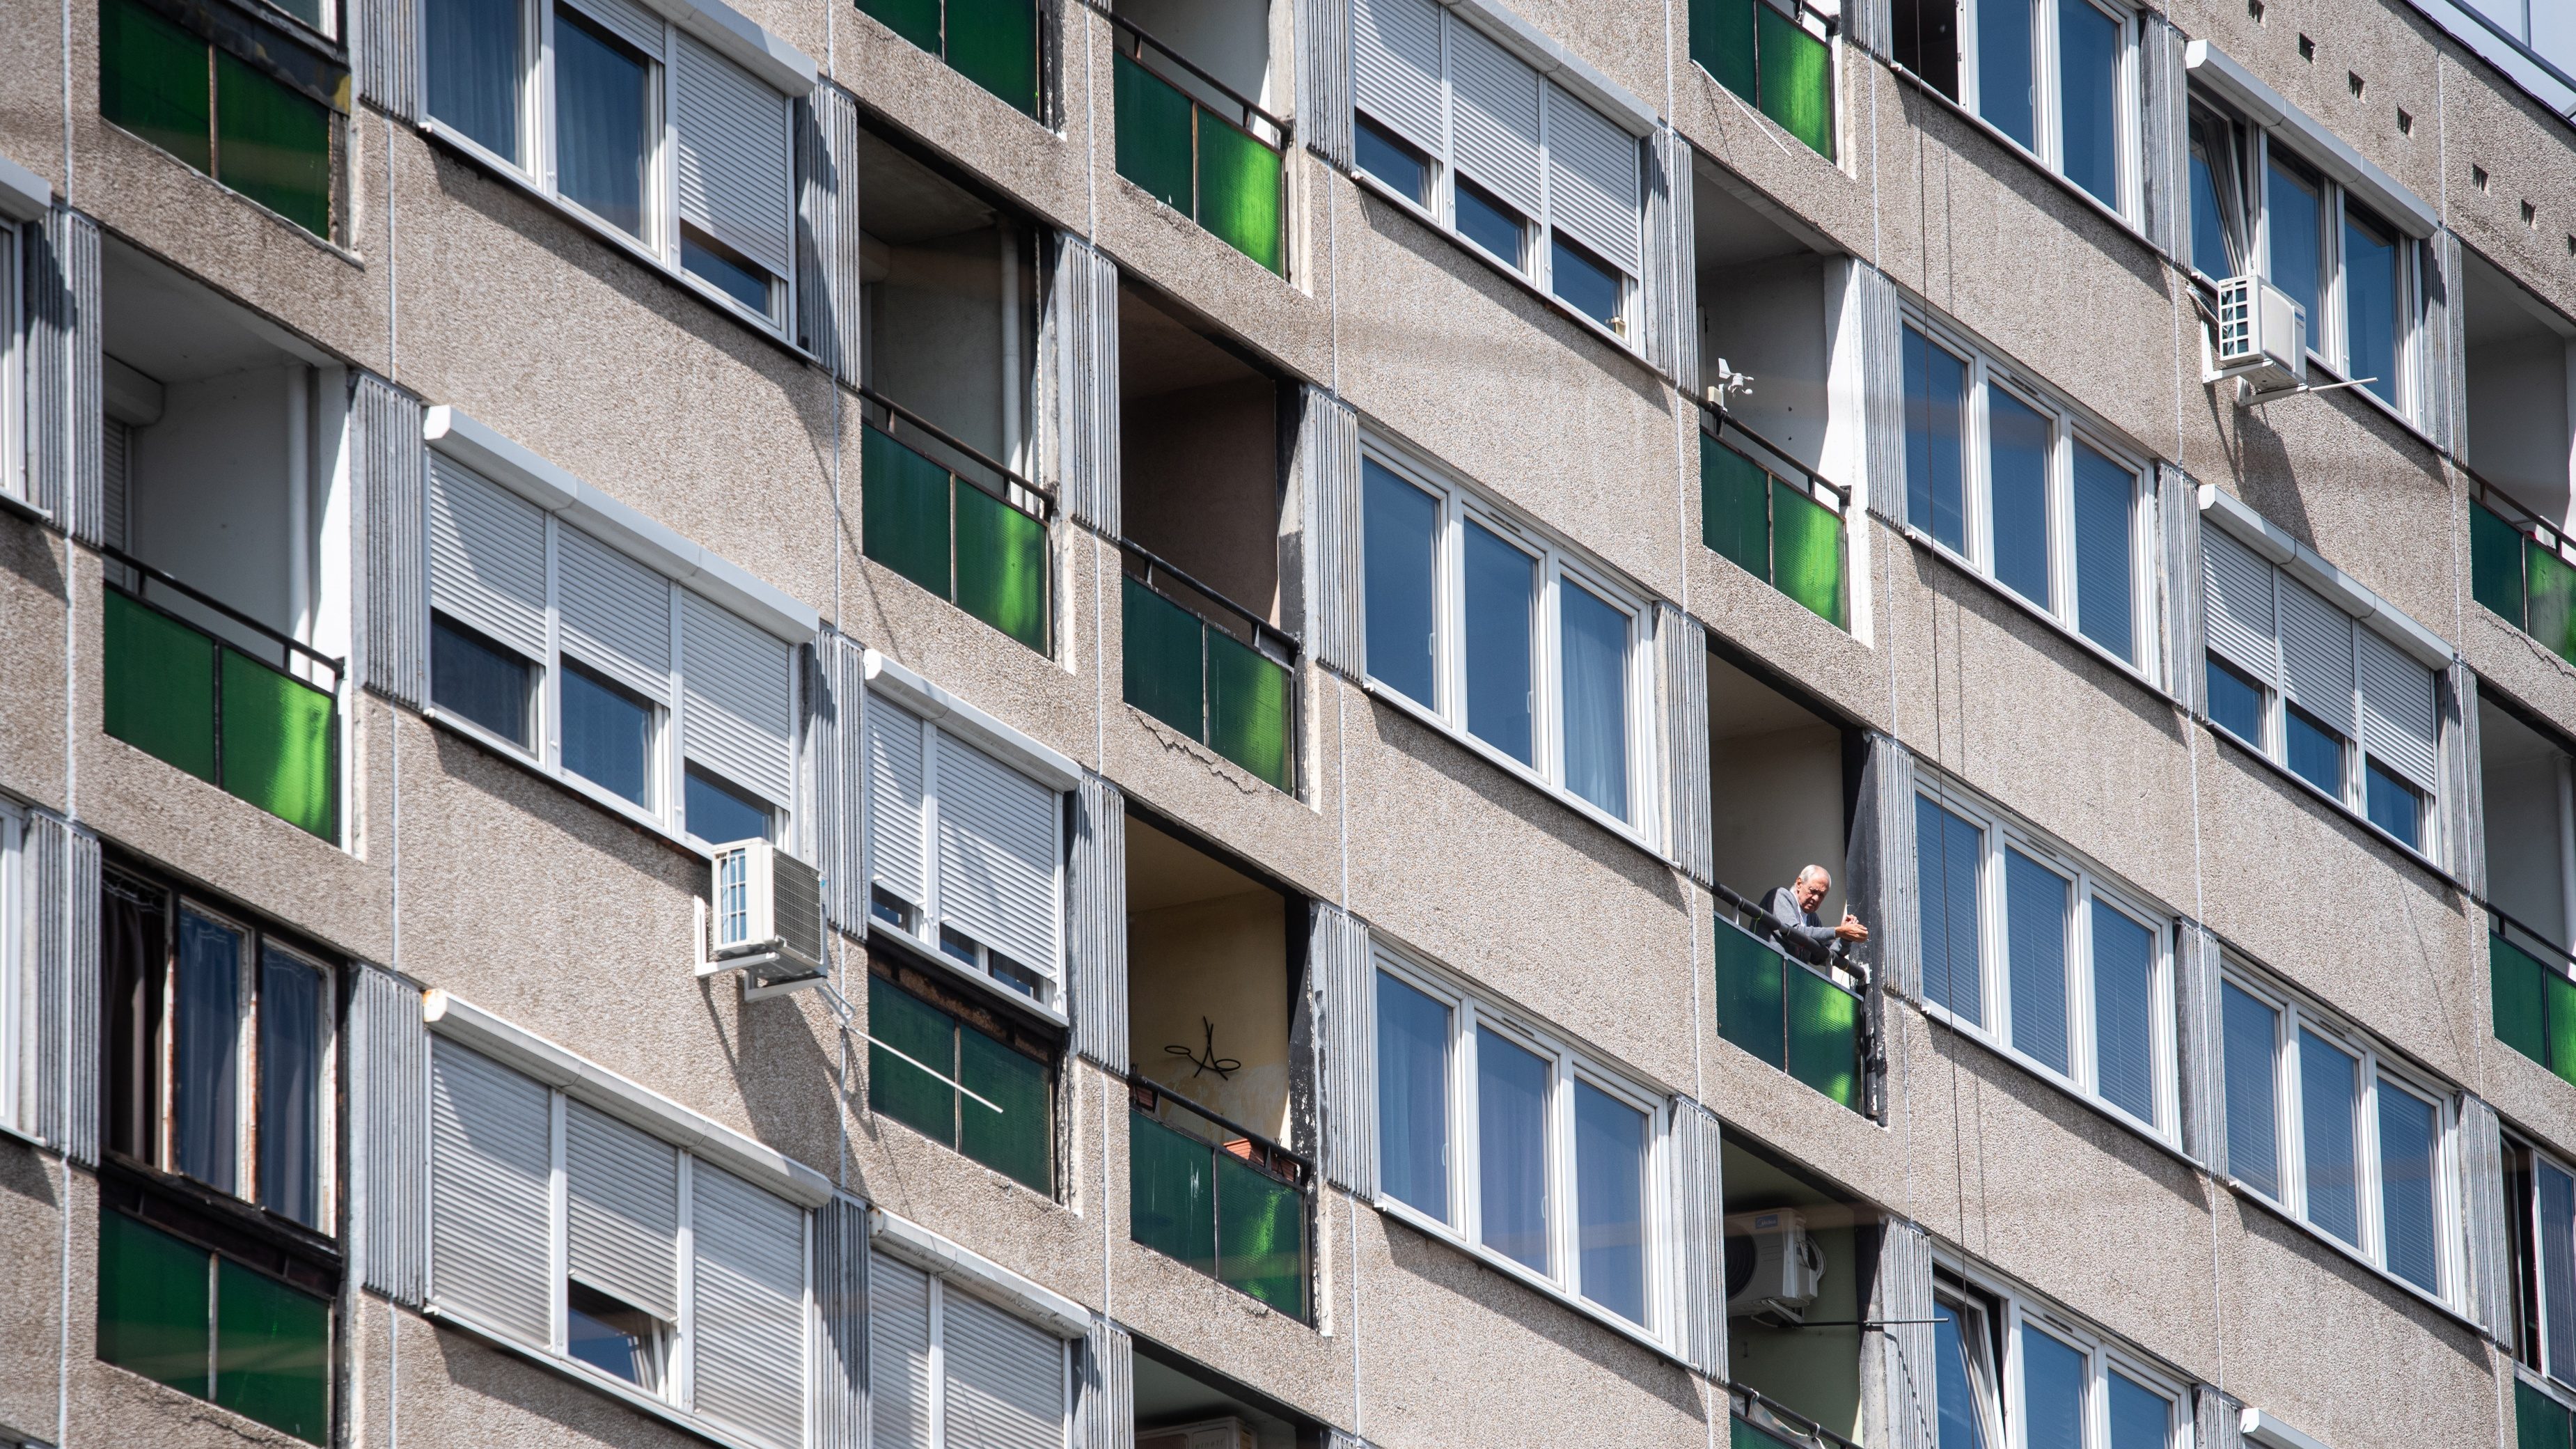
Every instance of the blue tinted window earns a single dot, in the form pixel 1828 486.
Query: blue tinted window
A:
pixel 2235 702
pixel 1594 639
pixel 206 1080
pixel 1584 283
pixel 607 735
pixel 2052 1392
pixel 1962 1418
pixel 1489 224
pixel 2035 934
pixel 1936 390
pixel 2371 325
pixel 2395 806
pixel 2409 1138
pixel 1502 593
pixel 2213 211
pixel 1610 1199
pixel 2327 1097
pixel 2019 439
pixel 1401 526
pixel 724 269
pixel 1380 154
pixel 479 681
pixel 2141 1418
pixel 2316 753
pixel 2124 978
pixel 473 60
pixel 2293 212
pixel 2088 88
pixel 1412 1097
pixel 2105 494
pixel 719 814
pixel 1511 1148
pixel 2004 68
pixel 1948 851
pixel 601 106
pixel 2250 1030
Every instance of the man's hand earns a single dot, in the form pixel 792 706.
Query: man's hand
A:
pixel 1851 929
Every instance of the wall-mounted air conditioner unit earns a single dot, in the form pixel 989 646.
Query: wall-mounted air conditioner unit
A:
pixel 1226 1433
pixel 765 918
pixel 2262 336
pixel 1772 1268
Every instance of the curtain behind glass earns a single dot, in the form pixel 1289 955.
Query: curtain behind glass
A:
pixel 2327 1099
pixel 1962 1418
pixel 2088 88
pixel 2020 443
pixel 1936 391
pixel 206 1078
pixel 292 1008
pixel 2292 211
pixel 2557 1231
pixel 2141 1418
pixel 607 735
pixel 603 122
pixel 2004 67
pixel 1502 592
pixel 2035 915
pixel 2124 966
pixel 2371 327
pixel 2105 494
pixel 2052 1392
pixel 133 924
pixel 1511 1148
pixel 1594 640
pixel 2249 1030
pixel 1609 1200
pixel 1412 1097
pixel 474 56
pixel 2217 198
pixel 2409 1137
pixel 1947 851
pixel 1400 525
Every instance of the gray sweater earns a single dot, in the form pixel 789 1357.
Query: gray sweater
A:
pixel 1802 934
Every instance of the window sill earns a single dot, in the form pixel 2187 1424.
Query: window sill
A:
pixel 2293 777
pixel 617 805
pixel 588 1377
pixel 1518 1272
pixel 879 927
pixel 1514 768
pixel 2031 159
pixel 2246 1192
pixel 1933 1011
pixel 2055 624
pixel 2371 399
pixel 13 503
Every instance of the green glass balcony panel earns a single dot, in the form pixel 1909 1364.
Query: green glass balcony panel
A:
pixel 1164 673
pixel 1171 1186
pixel 2495 564
pixel 280 742
pixel 1721 40
pixel 152 1310
pixel 1743 1435
pixel 2514 978
pixel 1154 148
pixel 914 20
pixel 1797 79
pixel 1248 708
pixel 1002 566
pixel 273 144
pixel 153 80
pixel 994 43
pixel 272 1352
pixel 160 685
pixel 2538 1420
pixel 902 1090
pixel 1823 1032
pixel 1018 1140
pixel 1734 507
pixel 1807 551
pixel 1749 1011
pixel 1261 1235
pixel 903 511
pixel 1239 187
pixel 2558 1014
pixel 2551 599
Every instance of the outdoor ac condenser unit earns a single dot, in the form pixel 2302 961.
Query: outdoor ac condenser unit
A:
pixel 766 918
pixel 1773 1270
pixel 2262 335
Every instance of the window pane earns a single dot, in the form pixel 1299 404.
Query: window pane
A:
pixel 1594 638
pixel 2214 226
pixel 2250 1030
pixel 1390 160
pixel 2088 88
pixel 272 1352
pixel 1490 224
pixel 205 1085
pixel 602 108
pixel 153 1314
pixel 1936 390
pixel 1511 1148
pixel 1412 1097
pixel 2052 1392
pixel 1502 593
pixel 723 268
pixel 2020 444
pixel 1400 524
pixel 2328 1096
pixel 293 1009
pixel 1585 283
pixel 2106 493
pixel 2409 1139
pixel 2124 975
pixel 2235 702
pixel 2371 326
pixel 2141 1418
pixel 607 735
pixel 1610 1200
pixel 1961 1409
pixel 2035 930
pixel 480 681
pixel 2291 210
pixel 2394 805
pixel 2557 1213
pixel 2316 753
pixel 610 1336
pixel 2003 67
pixel 719 814
pixel 474 60
pixel 1947 852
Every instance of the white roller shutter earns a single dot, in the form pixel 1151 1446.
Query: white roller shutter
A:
pixel 623 1192
pixel 630 22
pixel 1493 116
pixel 487 557
pixel 2399 716
pixel 490 1210
pixel 898 1354
pixel 735 717
pixel 1005 1378
pixel 1594 178
pixel 2238 613
pixel 997 855
pixel 748 1306
pixel 1395 68
pixel 898 837
pixel 615 614
pixel 2316 655
pixel 734 155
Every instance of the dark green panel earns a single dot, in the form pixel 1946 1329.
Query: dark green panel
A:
pixel 273 145
pixel 1002 566
pixel 2558 1009
pixel 994 43
pixel 1824 1035
pixel 1721 40
pixel 1154 148
pixel 1734 507
pixel 2495 564
pixel 903 511
pixel 272 1352
pixel 1170 1183
pixel 2514 977
pixel 1797 81
pixel 1248 708
pixel 2552 595
pixel 1744 1436
pixel 153 80
pixel 279 745
pixel 160 685
pixel 1162 675
pixel 1019 1140
pixel 1807 551
pixel 916 1098
pixel 1748 996
pixel 1239 190
pixel 1261 1235
pixel 2538 1421
pixel 914 20
pixel 152 1309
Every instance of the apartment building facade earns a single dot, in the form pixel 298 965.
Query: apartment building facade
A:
pixel 975 724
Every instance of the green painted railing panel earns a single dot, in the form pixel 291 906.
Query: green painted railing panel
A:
pixel 1154 147
pixel 2539 1422
pixel 1788 1016
pixel 280 745
pixel 1239 189
pixel 903 511
pixel 1014 1135
pixel 914 20
pixel 898 1088
pixel 1261 1235
pixel 1171 1192
pixel 1743 1435
pixel 994 43
pixel 1824 1035
pixel 153 1317
pixel 2495 564
pixel 1797 80
pixel 1749 1008
pixel 1165 664
pixel 2516 994
pixel 160 685
pixel 152 81
pixel 1002 566
pixel 272 144
pixel 1017 1141
pixel 1734 507
pixel 272 1352
pixel 1248 708
pixel 1807 552
pixel 1721 41
pixel 2550 599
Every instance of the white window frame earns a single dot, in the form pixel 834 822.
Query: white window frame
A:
pixel 2087 884
pixel 2011 1311
pixel 2536 1365
pixel 2048 105
pixel 13 360
pixel 2376 1070
pixel 1556 565
pixel 17 993
pixel 1568 1064
pixel 2067 427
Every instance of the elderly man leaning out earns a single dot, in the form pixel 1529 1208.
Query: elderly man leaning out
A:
pixel 1792 908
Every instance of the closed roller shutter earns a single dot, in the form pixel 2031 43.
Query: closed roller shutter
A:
pixel 487 557
pixel 898 837
pixel 2238 585
pixel 623 1190
pixel 491 1164
pixel 1593 179
pixel 748 1313
pixel 1005 1378
pixel 1494 117
pixel 630 22
pixel 734 156
pixel 2400 720
pixel 615 613
pixel 898 1353
pixel 1395 67
pixel 734 700
pixel 2316 655
pixel 997 855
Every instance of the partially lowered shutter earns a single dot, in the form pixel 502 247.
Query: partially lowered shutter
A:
pixel 1593 179
pixel 748 1309
pixel 491 1160
pixel 622 1188
pixel 1004 1386
pixel 898 838
pixel 734 700
pixel 2316 655
pixel 615 613
pixel 1395 67
pixel 735 160
pixel 629 21
pixel 997 855
pixel 2400 722
pixel 2237 585
pixel 898 1354
pixel 1493 117
pixel 487 557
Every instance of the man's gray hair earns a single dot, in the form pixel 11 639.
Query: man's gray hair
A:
pixel 1806 871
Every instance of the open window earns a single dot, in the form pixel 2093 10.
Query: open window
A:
pixel 1184 1405
pixel 2010 1370
pixel 1203 433
pixel 1800 1254
pixel 1197 125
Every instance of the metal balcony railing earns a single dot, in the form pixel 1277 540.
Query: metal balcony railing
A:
pixel 2533 986
pixel 1217 1196
pixel 1761 1422
pixel 1777 55
pixel 1199 146
pixel 1209 667
pixel 1788 1013
pixel 994 43
pixel 951 519
pixel 2522 568
pixel 1772 515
